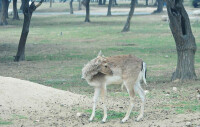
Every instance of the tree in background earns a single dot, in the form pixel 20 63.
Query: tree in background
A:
pixel 159 6
pixel 104 2
pixel 0 5
pixel 27 11
pixel 147 2
pixel 86 3
pixel 7 5
pixel 185 41
pixel 51 1
pixel 115 2
pixel 132 8
pixel 3 20
pixel 71 6
pixel 79 5
pixel 100 2
pixel 15 12
pixel 109 8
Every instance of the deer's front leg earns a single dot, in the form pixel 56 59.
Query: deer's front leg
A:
pixel 103 93
pixel 95 99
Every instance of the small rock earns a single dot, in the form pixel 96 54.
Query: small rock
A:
pixel 37 120
pixel 146 92
pixel 164 18
pixel 166 56
pixel 198 96
pixel 78 114
pixel 174 89
pixel 188 124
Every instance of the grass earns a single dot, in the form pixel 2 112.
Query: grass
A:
pixel 16 116
pixel 3 122
pixel 13 117
pixel 111 114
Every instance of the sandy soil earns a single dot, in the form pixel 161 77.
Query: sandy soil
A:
pixel 28 104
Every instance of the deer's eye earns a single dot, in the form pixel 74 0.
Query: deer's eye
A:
pixel 106 66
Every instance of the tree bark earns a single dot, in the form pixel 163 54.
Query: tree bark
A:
pixel 147 2
pixel 15 12
pixel 185 41
pixel 22 5
pixel 104 2
pixel 71 6
pixel 132 8
pixel 0 5
pixel 7 5
pixel 87 5
pixel 3 13
pixel 115 2
pixel 100 2
pixel 159 6
pixel 50 3
pixel 79 5
pixel 28 10
pixel 109 8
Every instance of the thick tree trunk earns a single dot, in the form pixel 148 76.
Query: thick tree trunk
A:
pixel 87 5
pixel 79 5
pixel 100 2
pixel 71 6
pixel 104 2
pixel 15 12
pixel 109 8
pixel 3 14
pixel 22 4
pixel 185 41
pixel 132 8
pixel 159 6
pixel 28 10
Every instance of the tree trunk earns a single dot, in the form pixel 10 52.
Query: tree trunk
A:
pixel 79 5
pixel 0 5
pixel 7 5
pixel 109 8
pixel 50 3
pixel 22 4
pixel 71 7
pixel 147 2
pixel 28 10
pixel 114 2
pixel 3 14
pixel 87 5
pixel 15 12
pixel 100 2
pixel 185 41
pixel 132 8
pixel 104 2
pixel 159 6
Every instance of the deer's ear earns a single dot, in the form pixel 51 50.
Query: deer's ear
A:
pixel 100 53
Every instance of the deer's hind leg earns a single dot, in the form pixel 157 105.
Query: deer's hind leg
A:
pixel 141 93
pixel 131 92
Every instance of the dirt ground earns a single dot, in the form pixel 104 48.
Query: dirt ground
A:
pixel 28 104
